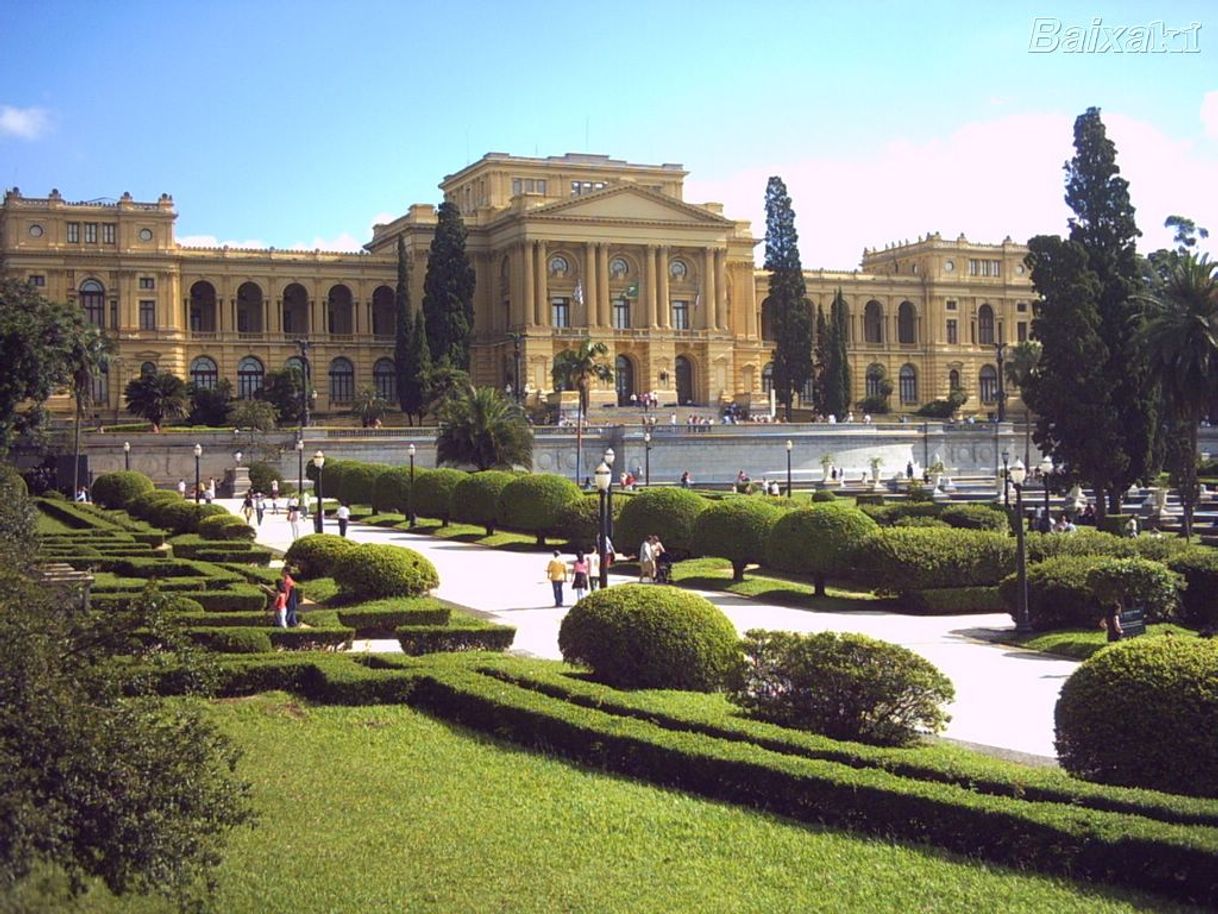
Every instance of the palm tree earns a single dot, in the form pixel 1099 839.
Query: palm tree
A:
pixel 89 355
pixel 156 396
pixel 369 406
pixel 1181 340
pixel 484 428
pixel 1021 361
pixel 574 369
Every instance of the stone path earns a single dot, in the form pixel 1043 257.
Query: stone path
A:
pixel 1004 696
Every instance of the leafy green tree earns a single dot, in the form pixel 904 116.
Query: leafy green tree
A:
pixel 442 383
pixel 1090 285
pixel 576 369
pixel 284 390
pixel 792 320
pixel 412 389
pixel 448 290
pixel 836 370
pixel 36 341
pixel 90 356
pixel 253 415
pixel 484 428
pixel 369 406
pixel 1187 232
pixel 401 328
pixel 1181 340
pixel 1021 361
pixel 155 397
pixel 877 376
pixel 210 405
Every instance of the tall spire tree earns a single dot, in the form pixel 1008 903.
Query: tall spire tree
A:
pixel 401 329
pixel 412 391
pixel 820 363
pixel 448 291
pixel 1091 310
pixel 837 396
pixel 792 319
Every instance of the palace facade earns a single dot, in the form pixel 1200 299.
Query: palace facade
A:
pixel 564 248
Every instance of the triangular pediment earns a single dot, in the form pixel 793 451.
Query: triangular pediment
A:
pixel 629 203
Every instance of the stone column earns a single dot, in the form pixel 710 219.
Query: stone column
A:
pixel 710 297
pixel 541 271
pixel 602 285
pixel 665 304
pixel 530 284
pixel 649 272
pixel 721 318
pixel 592 316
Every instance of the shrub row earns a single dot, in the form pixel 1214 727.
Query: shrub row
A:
pixel 454 636
pixel 381 618
pixel 950 601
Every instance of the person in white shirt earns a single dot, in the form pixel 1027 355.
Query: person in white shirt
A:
pixel 294 517
pixel 182 487
pixel 344 516
pixel 647 561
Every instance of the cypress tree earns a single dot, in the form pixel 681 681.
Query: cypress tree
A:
pixel 837 367
pixel 412 390
pixel 448 291
pixel 792 320
pixel 820 363
pixel 401 329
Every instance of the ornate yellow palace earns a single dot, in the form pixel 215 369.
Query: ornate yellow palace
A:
pixel 564 247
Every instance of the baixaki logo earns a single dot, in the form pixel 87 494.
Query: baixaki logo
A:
pixel 1049 34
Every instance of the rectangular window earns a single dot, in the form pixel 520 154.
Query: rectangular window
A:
pixel 90 233
pixel 560 312
pixel 108 233
pixel 517 187
pixel 951 304
pixel 586 187
pixel 147 315
pixel 1021 331
pixel 38 280
pixel 974 267
pixel 147 282
pixel 621 314
pixel 680 315
pixel 73 233
pixel 953 334
pixel 114 313
pixel 1021 307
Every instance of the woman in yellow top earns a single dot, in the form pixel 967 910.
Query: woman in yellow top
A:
pixel 556 571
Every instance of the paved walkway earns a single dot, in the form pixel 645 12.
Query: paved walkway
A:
pixel 1004 696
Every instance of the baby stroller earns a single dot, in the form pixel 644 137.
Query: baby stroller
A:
pixel 664 569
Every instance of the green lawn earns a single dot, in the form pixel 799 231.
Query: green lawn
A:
pixel 1081 643
pixel 716 574
pixel 382 809
pixel 45 525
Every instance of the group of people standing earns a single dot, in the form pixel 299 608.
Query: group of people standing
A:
pixel 584 572
pixel 287 601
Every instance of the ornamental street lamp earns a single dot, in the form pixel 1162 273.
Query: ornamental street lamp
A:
pixel 1046 471
pixel 198 454
pixel 299 470
pixel 319 461
pixel 517 386
pixel 609 456
pixel 790 445
pixel 1000 352
pixel 1006 481
pixel 126 455
pixel 647 459
pixel 304 384
pixel 410 451
pixel 1022 623
pixel 604 479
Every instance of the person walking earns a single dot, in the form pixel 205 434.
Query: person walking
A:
pixel 275 491
pixel 210 494
pixel 579 578
pixel 292 602
pixel 259 506
pixel 556 571
pixel 594 570
pixel 247 505
pixel 344 517
pixel 647 561
pixel 294 518
pixel 281 605
pixel 182 487
pixel 1112 621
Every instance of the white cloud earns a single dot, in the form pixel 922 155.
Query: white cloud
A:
pixel 24 123
pixel 987 179
pixel 211 241
pixel 344 242
pixel 1209 114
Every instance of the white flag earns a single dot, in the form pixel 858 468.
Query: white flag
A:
pixel 579 292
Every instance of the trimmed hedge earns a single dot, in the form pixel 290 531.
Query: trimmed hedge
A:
pixel 467 635
pixel 475 499
pixel 950 601
pixel 391 491
pixel 433 493
pixel 534 503
pixel 1199 602
pixel 670 513
pixel 225 527
pixel 381 618
pixel 116 490
pixel 976 517
pixel 314 555
pixel 902 559
pixel 226 640
pixel 358 483
pixel 374 570
pixel 651 636
pixel 820 540
pixel 736 529
pixel 579 521
pixel 1142 714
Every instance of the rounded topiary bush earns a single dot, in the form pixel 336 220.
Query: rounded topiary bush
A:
pixel 975 517
pixel 391 491
pixel 820 540
pixel 1044 546
pixel 651 637
pixel 314 555
pixel 579 520
pixel 669 513
pixel 183 516
pixel 932 522
pixel 1199 568
pixel 475 500
pixel 904 559
pixel 373 570
pixel 433 493
pixel 226 527
pixel 332 474
pixel 115 490
pixel 736 529
pixel 823 495
pixel 534 503
pixel 262 474
pixel 844 686
pixel 358 482
pixel 145 506
pixel 1141 714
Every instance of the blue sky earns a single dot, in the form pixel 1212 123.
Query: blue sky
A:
pixel 302 123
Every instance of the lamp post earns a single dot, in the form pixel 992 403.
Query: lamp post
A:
pixel 198 454
pixel 516 337
pixel 304 384
pixel 1046 470
pixel 410 451
pixel 1000 352
pixel 604 479
pixel 609 456
pixel 1022 623
pixel 299 469
pixel 790 445
pixel 647 459
pixel 126 455
pixel 1006 481
pixel 319 461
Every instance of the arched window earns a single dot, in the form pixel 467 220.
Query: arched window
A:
pixel 295 309
pixel 623 373
pixel 988 384
pixel 907 323
pixel 385 380
pixel 953 380
pixel 342 381
pixel 93 300
pixel 873 323
pixel 985 325
pixel 203 307
pixel 249 308
pixel 767 320
pixel 203 373
pixel 909 384
pixel 249 377
pixel 767 378
pixel 340 311
pixel 875 380
pixel 147 368
pixel 384 315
